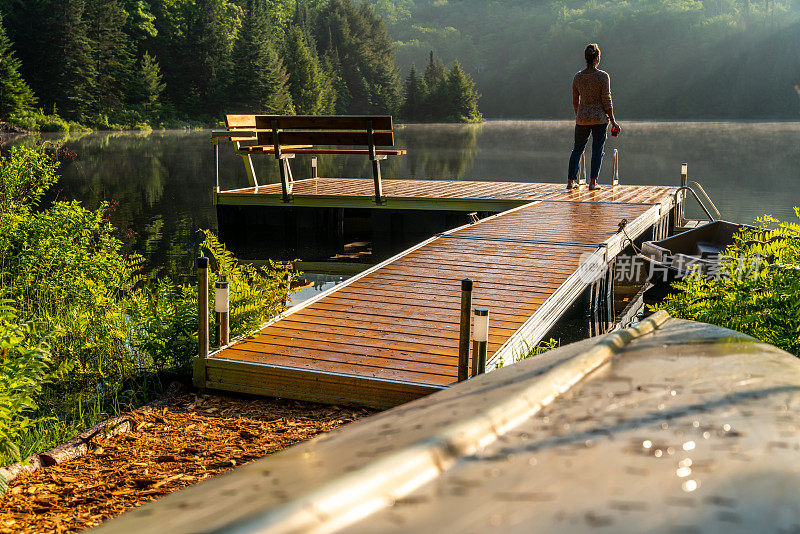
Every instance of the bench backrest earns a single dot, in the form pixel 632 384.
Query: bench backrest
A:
pixel 317 130
pixel 242 122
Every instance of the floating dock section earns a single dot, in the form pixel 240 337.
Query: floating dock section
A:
pixel 430 194
pixel 391 334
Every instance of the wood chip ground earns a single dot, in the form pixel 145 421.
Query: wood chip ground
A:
pixel 194 438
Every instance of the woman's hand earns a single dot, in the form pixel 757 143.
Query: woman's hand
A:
pixel 614 125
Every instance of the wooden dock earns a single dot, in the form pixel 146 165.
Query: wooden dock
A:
pixel 390 334
pixel 431 194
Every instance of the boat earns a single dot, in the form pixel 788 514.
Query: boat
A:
pixel 672 258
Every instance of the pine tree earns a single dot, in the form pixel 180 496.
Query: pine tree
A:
pixel 260 85
pixel 207 58
pixel 71 69
pixel 434 72
pixel 141 22
pixel 112 54
pixel 462 96
pixel 366 56
pixel 308 83
pixel 435 105
pixel 333 80
pixel 149 86
pixel 15 95
pixel 414 96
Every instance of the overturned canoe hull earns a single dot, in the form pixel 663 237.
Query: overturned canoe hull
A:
pixel 673 426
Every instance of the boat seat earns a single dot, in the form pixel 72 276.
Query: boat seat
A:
pixel 707 248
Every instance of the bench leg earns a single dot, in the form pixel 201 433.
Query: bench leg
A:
pixel 376 175
pixel 283 165
pixel 250 170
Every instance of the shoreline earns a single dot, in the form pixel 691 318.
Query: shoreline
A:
pixel 14 131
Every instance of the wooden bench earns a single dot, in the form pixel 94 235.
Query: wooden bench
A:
pixel 284 136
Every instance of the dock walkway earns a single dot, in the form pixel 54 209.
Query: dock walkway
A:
pixel 390 334
pixel 431 194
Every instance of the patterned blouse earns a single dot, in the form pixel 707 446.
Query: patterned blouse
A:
pixel 591 95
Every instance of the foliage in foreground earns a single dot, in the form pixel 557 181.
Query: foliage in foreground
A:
pixel 166 313
pixel 119 332
pixel 537 350
pixel 757 290
pixel 24 368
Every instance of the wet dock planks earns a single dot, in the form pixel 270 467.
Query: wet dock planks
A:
pixel 431 194
pixel 390 334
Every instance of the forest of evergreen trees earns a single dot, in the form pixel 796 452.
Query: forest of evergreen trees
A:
pixel 168 62
pixel 674 59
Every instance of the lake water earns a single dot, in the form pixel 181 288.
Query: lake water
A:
pixel 161 182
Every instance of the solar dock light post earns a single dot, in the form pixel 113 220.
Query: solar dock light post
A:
pixel 480 339
pixel 222 307
pixel 463 338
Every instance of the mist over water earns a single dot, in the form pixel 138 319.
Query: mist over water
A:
pixel 161 182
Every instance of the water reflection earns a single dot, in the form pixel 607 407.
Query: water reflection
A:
pixel 316 284
pixel 162 181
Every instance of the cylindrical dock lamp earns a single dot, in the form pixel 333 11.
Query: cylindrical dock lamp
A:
pixel 480 338
pixel 463 337
pixel 684 174
pixel 222 308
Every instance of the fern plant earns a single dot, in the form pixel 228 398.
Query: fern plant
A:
pixel 256 293
pixel 756 289
pixel 25 367
pixel 165 314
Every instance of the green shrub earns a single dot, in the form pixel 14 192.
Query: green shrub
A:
pixel 38 121
pixel 256 293
pixel 165 314
pixel 540 348
pixel 756 289
pixel 62 267
pixel 24 368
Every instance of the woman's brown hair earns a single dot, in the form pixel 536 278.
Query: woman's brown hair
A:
pixel 592 54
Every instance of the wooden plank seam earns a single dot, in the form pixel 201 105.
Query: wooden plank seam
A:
pixel 358 277
pixel 537 325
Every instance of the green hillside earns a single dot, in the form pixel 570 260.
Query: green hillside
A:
pixel 667 58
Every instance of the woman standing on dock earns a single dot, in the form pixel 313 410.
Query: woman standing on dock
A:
pixel 591 99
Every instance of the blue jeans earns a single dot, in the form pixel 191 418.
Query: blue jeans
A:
pixel 582 132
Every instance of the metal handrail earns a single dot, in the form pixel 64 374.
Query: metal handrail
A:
pixel 711 203
pixel 687 188
pixel 230 135
pixel 615 169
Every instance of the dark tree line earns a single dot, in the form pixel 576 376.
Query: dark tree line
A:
pixel 440 94
pixel 105 62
